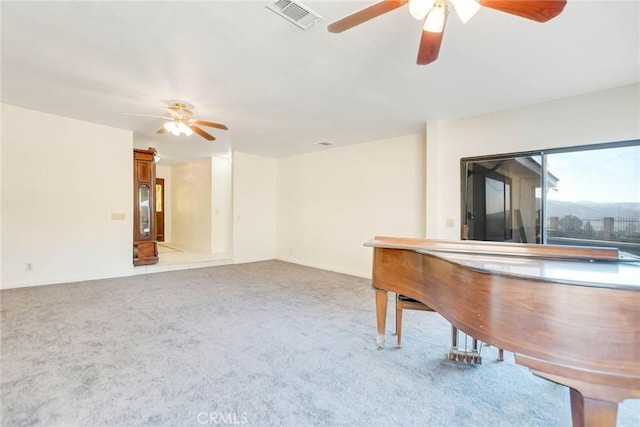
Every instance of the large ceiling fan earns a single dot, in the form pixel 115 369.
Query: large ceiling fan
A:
pixel 180 121
pixel 435 13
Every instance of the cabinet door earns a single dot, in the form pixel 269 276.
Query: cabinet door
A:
pixel 145 250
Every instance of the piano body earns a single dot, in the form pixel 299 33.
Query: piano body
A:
pixel 570 314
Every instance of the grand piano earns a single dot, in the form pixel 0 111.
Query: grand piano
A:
pixel 570 314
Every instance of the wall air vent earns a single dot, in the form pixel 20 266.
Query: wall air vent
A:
pixel 295 12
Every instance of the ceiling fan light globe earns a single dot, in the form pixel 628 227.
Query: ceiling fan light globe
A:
pixel 420 8
pixel 182 128
pixel 169 126
pixel 466 9
pixel 435 19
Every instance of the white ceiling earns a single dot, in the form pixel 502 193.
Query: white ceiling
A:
pixel 280 89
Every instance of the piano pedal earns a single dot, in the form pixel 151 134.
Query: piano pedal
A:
pixel 471 357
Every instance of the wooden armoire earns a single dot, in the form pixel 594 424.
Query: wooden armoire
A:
pixel 145 247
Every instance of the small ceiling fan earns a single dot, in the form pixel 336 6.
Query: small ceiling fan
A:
pixel 435 13
pixel 180 121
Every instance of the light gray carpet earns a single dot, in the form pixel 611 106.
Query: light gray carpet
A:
pixel 258 344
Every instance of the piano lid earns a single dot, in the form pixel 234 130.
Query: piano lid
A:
pixel 573 265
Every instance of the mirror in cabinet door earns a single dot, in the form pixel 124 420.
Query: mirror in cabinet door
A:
pixel 143 207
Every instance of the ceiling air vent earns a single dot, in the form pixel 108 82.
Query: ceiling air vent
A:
pixel 295 12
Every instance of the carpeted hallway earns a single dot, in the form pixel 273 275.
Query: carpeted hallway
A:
pixel 260 344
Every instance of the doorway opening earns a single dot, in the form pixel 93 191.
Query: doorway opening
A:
pixel 160 209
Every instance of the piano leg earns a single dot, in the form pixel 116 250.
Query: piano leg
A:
pixel 399 309
pixel 589 412
pixel 592 403
pixel 381 315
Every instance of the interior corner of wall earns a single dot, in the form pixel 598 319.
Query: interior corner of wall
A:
pixel 432 129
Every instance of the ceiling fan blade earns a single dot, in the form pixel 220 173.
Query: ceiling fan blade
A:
pixel 202 133
pixel 364 15
pixel 211 124
pixel 161 130
pixel 536 10
pixel 430 44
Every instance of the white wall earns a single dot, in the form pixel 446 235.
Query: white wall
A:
pixel 164 171
pixel 191 205
pixel 605 116
pixel 254 208
pixel 331 202
pixel 62 179
pixel 221 205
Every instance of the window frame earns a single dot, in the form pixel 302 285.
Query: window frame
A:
pixel 542 153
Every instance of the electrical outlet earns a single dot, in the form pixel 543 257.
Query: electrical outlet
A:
pixel 28 267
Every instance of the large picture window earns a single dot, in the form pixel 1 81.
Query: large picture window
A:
pixel 591 196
